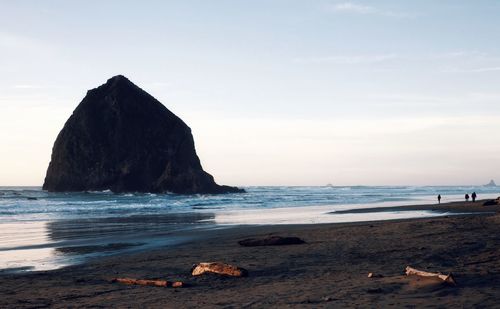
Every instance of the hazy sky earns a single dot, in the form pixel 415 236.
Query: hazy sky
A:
pixel 276 92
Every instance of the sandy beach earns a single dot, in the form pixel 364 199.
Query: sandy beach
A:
pixel 249 154
pixel 329 270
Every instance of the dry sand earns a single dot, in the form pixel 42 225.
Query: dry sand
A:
pixel 330 270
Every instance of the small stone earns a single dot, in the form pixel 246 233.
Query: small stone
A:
pixel 374 291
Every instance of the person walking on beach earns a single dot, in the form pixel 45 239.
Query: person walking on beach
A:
pixel 466 197
pixel 474 195
pixel 439 199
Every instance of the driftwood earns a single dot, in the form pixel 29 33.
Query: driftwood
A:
pixel 160 283
pixel 372 275
pixel 177 284
pixel 271 241
pixel 220 269
pixel 446 278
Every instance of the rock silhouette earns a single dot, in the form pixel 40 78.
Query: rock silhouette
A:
pixel 491 184
pixel 120 138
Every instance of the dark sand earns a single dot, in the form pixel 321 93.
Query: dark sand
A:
pixel 330 270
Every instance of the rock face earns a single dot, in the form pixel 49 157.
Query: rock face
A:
pixel 491 184
pixel 120 138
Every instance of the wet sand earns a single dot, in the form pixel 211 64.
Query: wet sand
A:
pixel 330 270
pixel 452 207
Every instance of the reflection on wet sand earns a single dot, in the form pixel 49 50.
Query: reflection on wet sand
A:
pixel 96 248
pixel 124 227
pixel 26 246
pixel 54 244
pixel 312 215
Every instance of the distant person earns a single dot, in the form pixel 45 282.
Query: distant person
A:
pixel 439 199
pixel 474 195
pixel 466 197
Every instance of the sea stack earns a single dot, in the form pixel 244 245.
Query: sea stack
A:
pixel 120 138
pixel 491 184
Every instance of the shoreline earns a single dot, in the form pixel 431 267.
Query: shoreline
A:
pixel 60 243
pixel 451 207
pixel 329 270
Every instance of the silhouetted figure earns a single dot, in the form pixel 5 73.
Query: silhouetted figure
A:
pixel 474 195
pixel 439 199
pixel 466 197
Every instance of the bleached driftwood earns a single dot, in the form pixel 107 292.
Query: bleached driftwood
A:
pixel 219 268
pixel 177 284
pixel 372 275
pixel 160 283
pixel 446 278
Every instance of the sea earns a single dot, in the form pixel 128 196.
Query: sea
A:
pixel 41 230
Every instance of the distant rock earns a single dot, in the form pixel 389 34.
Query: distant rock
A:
pixel 120 138
pixel 491 184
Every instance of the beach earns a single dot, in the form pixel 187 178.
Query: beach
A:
pixel 329 270
pixel 243 154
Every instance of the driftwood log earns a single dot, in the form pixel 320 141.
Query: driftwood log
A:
pixel 220 269
pixel 372 275
pixel 446 278
pixel 271 241
pixel 160 283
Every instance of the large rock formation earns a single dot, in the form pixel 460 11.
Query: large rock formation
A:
pixel 120 138
pixel 491 184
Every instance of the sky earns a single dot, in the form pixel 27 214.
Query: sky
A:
pixel 276 92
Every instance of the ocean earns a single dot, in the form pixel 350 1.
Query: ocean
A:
pixel 41 230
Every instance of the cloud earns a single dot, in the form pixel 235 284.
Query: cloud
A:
pixel 350 59
pixel 15 41
pixel 473 70
pixel 354 8
pixel 480 70
pixel 414 144
pixel 159 84
pixel 360 9
pixel 28 86
pixel 460 54
pixel 446 62
pixel 485 96
pixel 468 62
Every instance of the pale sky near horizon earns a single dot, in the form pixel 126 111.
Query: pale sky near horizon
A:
pixel 288 92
